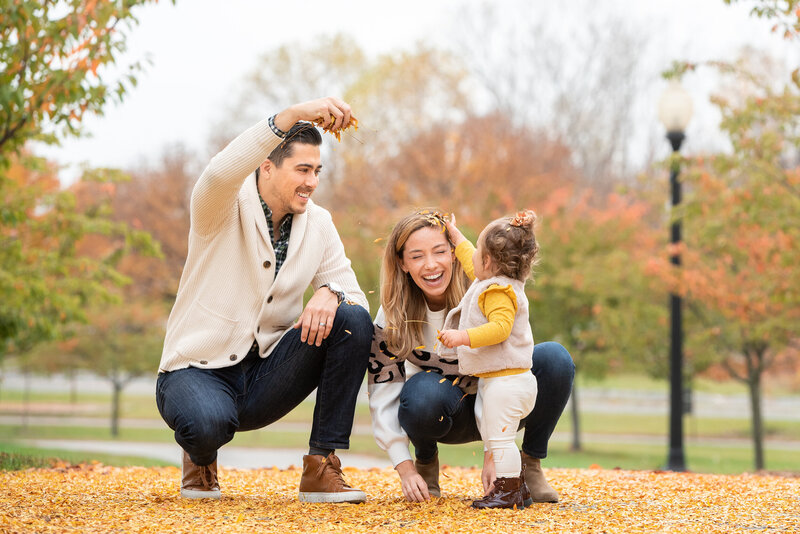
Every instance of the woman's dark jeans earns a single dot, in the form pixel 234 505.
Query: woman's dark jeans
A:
pixel 205 407
pixel 432 412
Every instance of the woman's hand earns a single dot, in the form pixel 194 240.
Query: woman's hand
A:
pixel 455 234
pixel 454 338
pixel 488 473
pixel 414 486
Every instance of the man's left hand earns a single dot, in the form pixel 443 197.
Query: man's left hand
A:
pixel 316 320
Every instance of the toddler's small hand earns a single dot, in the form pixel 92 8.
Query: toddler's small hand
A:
pixel 454 338
pixel 455 234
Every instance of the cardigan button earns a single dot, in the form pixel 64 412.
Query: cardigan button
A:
pixel 233 357
pixel 267 264
pixel 258 329
pixel 269 299
pixel 203 362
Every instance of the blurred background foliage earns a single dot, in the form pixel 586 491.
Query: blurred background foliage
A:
pixel 88 273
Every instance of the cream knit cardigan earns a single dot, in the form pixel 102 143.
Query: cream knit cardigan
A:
pixel 228 293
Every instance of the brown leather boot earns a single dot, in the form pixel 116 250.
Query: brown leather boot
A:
pixel 199 481
pixel 322 481
pixel 429 472
pixel 507 493
pixel 541 491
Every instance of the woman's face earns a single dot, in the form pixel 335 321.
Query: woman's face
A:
pixel 428 258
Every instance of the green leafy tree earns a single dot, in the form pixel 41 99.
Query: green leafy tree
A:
pixel 55 69
pixel 53 66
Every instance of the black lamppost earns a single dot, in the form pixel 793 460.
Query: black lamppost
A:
pixel 675 111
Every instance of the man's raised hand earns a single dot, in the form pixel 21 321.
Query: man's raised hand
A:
pixel 330 112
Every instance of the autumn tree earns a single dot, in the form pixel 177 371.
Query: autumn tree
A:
pixel 57 64
pixel 119 343
pixel 46 282
pixel 742 253
pixel 156 200
pixel 54 67
pixel 592 292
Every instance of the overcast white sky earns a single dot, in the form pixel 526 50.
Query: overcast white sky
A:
pixel 200 48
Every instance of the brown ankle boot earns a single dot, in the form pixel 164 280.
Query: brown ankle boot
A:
pixel 429 471
pixel 507 493
pixel 540 490
pixel 322 481
pixel 199 481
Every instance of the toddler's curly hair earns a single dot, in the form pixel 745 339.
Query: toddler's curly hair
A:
pixel 511 244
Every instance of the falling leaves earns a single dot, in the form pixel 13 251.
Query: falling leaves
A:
pixel 98 498
pixel 442 380
pixel 420 347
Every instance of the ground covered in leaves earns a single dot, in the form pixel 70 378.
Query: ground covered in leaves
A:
pixel 97 498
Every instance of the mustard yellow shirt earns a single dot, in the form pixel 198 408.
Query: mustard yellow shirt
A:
pixel 498 303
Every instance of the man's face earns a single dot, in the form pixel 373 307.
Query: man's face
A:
pixel 286 189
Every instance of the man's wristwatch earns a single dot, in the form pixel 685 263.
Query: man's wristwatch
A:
pixel 336 290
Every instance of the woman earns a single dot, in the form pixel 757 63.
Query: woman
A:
pixel 419 396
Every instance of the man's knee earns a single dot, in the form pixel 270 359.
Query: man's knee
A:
pixel 355 322
pixel 200 433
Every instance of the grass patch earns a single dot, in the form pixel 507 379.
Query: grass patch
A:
pixel 15 457
pixel 658 425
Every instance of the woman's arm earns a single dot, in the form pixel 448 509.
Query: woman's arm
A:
pixel 385 380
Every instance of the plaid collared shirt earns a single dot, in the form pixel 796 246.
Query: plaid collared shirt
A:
pixel 281 246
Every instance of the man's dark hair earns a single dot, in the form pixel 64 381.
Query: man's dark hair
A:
pixel 302 132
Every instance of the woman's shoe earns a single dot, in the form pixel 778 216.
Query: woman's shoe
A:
pixel 429 471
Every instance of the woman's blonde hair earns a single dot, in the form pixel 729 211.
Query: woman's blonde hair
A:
pixel 402 300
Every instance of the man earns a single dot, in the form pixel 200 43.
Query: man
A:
pixel 240 350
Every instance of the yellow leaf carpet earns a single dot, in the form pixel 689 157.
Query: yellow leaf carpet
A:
pixel 98 498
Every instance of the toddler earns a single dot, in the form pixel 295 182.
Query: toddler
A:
pixel 492 336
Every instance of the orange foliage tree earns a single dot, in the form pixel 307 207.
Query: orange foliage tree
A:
pixel 742 254
pixel 742 251
pixel 592 292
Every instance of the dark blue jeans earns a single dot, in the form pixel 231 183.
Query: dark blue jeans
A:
pixel 432 412
pixel 205 407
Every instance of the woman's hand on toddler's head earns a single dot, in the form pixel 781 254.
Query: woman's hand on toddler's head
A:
pixel 454 338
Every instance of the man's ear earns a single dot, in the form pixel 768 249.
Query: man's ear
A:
pixel 266 167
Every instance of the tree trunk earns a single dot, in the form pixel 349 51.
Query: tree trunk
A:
pixel 26 397
pixel 73 386
pixel 576 431
pixel 754 382
pixel 115 398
